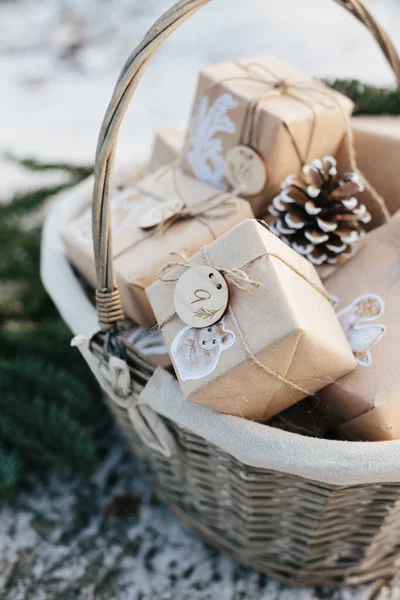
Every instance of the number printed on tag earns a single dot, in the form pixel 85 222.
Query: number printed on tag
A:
pixel 246 169
pixel 201 296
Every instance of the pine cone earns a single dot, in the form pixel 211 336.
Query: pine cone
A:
pixel 318 215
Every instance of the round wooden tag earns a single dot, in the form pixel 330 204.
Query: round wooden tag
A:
pixel 247 169
pixel 160 212
pixel 201 296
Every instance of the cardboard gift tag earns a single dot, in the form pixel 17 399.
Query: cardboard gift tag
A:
pixel 246 170
pixel 266 106
pixel 279 340
pixel 201 296
pixel 147 227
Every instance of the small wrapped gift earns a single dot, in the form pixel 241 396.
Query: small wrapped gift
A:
pixel 276 338
pixel 255 122
pixel 164 212
pixel 149 344
pixel 365 403
pixel 377 146
pixel 167 146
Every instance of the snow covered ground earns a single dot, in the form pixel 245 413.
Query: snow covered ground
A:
pixel 59 540
pixel 59 60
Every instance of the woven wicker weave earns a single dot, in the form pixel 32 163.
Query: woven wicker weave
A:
pixel 299 530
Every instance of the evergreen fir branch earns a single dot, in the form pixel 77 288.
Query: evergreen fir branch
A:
pixel 22 294
pixel 10 469
pixel 56 385
pixel 27 202
pixel 77 171
pixel 25 301
pixel 51 411
pixel 47 340
pixel 368 99
pixel 22 204
pixel 45 433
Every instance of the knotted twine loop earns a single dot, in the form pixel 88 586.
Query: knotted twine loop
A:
pixel 301 91
pixel 236 277
pixel 240 279
pixel 219 206
pixel 275 85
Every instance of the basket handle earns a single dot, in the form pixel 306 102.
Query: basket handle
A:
pixel 108 300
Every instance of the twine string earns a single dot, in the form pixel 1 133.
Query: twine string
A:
pixel 277 86
pixel 299 90
pixel 251 131
pixel 302 91
pixel 236 277
pixel 263 367
pixel 240 279
pixel 327 97
pixel 217 206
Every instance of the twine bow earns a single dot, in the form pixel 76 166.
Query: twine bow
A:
pixel 236 277
pixel 219 206
pixel 240 279
pixel 310 93
pixel 300 90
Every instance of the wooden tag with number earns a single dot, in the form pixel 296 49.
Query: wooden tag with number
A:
pixel 201 296
pixel 246 169
pixel 160 212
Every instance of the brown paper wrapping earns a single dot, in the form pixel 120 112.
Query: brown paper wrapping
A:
pixel 139 254
pixel 288 325
pixel 365 403
pixel 216 123
pixel 167 146
pixel 377 146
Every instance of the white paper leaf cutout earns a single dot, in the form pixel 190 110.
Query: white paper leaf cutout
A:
pixel 205 154
pixel 125 205
pixel 148 341
pixel 361 334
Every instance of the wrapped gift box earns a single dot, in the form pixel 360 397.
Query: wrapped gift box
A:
pixel 283 323
pixel 365 403
pixel 167 145
pixel 266 104
pixel 140 252
pixel 377 146
pixel 148 344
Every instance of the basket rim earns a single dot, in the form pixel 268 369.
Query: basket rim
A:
pixel 333 462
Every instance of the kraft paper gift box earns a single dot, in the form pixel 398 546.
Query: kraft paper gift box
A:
pixel 365 403
pixel 167 146
pixel 149 344
pixel 377 147
pixel 284 324
pixel 139 253
pixel 233 107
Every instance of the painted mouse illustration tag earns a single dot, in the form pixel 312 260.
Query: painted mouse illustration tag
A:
pixel 196 352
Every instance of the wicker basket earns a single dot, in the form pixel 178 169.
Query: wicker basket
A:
pixel 302 530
